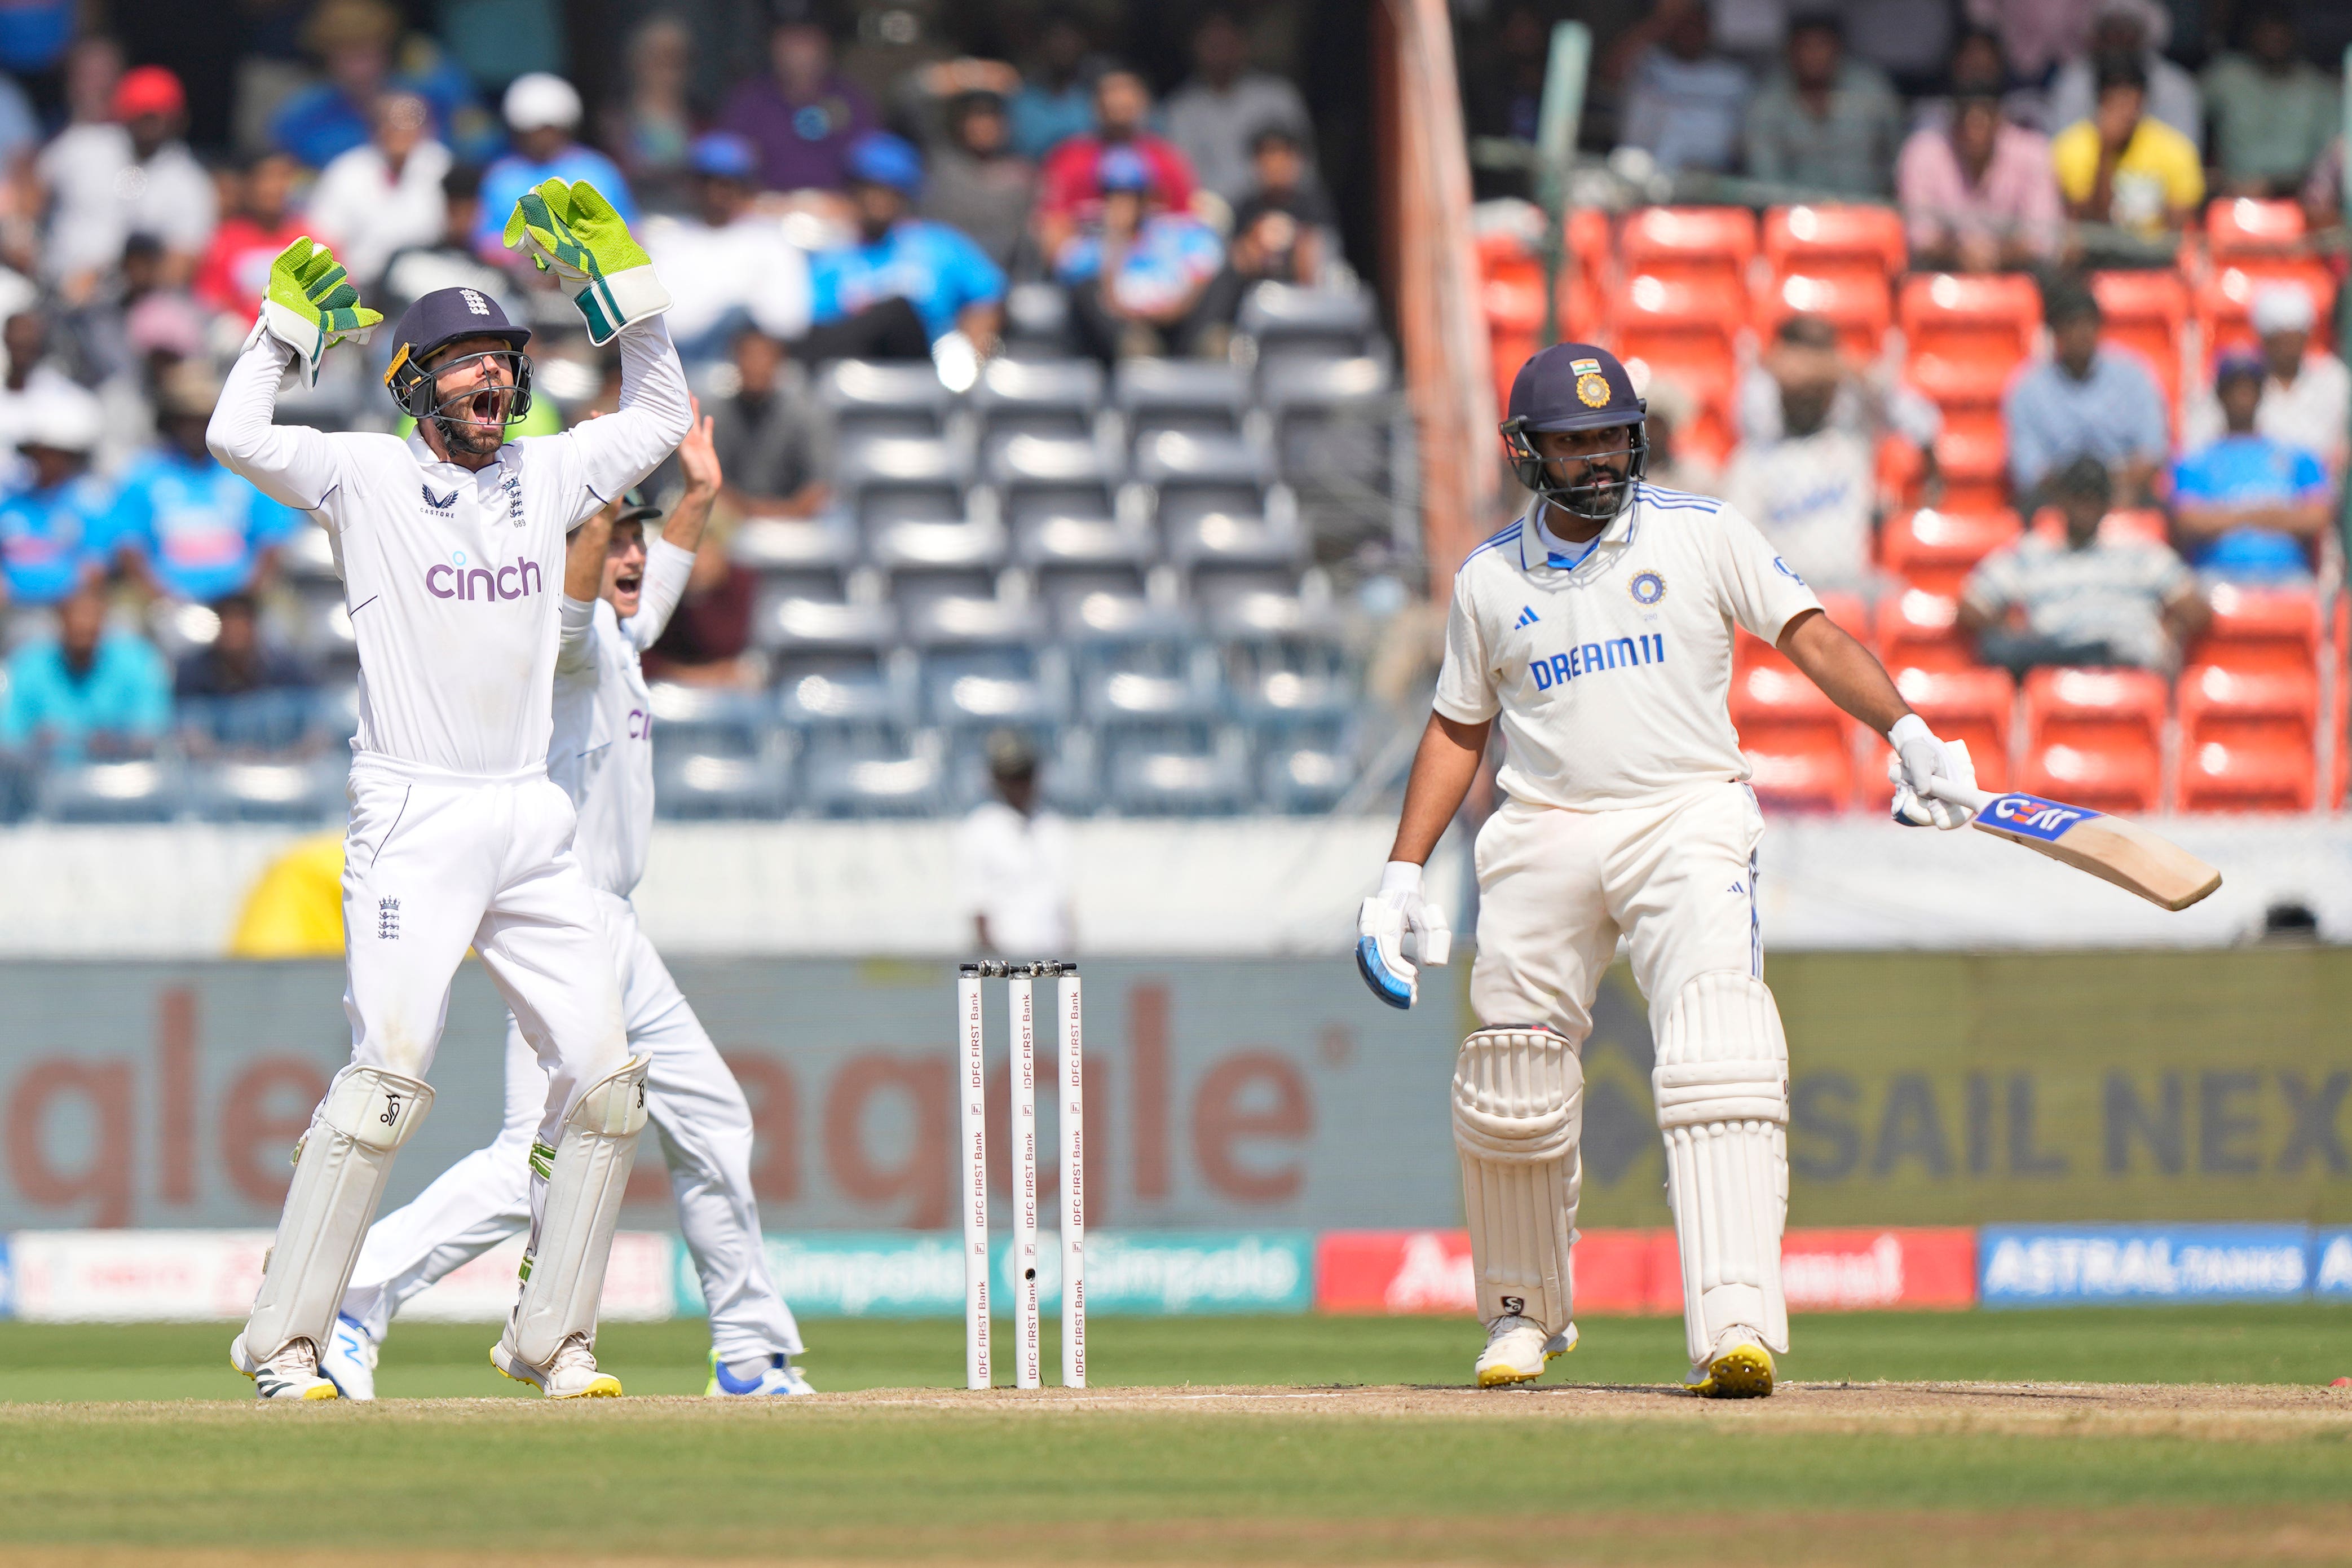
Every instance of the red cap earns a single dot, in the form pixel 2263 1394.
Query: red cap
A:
pixel 149 89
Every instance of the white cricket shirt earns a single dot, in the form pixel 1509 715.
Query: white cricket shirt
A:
pixel 1612 677
pixel 603 749
pixel 453 579
pixel 1015 873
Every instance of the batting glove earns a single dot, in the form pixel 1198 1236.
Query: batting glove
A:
pixel 572 231
pixel 1918 758
pixel 1395 926
pixel 311 305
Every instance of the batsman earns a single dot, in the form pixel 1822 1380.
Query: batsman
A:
pixel 1598 629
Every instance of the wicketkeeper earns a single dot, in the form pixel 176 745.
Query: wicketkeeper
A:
pixel 1599 629
pixel 451 546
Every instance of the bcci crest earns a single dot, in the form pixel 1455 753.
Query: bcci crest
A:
pixel 1647 587
pixel 1593 390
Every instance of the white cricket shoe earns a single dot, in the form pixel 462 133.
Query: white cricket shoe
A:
pixel 572 1374
pixel 1739 1367
pixel 291 1373
pixel 1518 1349
pixel 350 1361
pixel 780 1376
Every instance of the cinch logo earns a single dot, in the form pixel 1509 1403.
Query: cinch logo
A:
pixel 462 582
pixel 2035 817
pixel 1617 653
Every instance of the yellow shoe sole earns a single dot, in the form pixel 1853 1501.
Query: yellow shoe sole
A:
pixel 1743 1371
pixel 1504 1376
pixel 605 1387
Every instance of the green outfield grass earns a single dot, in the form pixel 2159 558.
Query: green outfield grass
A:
pixel 1489 1482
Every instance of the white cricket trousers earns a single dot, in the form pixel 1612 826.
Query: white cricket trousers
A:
pixel 435 863
pixel 704 1125
pixel 1556 888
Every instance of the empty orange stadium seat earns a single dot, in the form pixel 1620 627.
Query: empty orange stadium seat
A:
pixel 1800 742
pixel 1974 464
pixel 2260 629
pixel 2236 226
pixel 2225 776
pixel 1921 632
pixel 1691 245
pixel 1688 332
pixel 2146 313
pixel 2095 737
pixel 1971 706
pixel 1936 549
pixel 1986 320
pixel 1836 241
pixel 2248 739
pixel 1802 777
pixel 1859 306
pixel 2226 299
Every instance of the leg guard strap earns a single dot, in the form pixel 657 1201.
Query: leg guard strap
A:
pixel 1518 1110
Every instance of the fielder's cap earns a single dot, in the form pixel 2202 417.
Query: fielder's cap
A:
pixel 636 506
pixel 66 420
pixel 878 158
pixel 1574 386
pixel 149 89
pixel 724 155
pixel 2239 364
pixel 537 99
pixel 2282 307
pixel 447 315
pixel 1123 169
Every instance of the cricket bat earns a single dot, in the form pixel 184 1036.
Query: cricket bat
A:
pixel 2107 847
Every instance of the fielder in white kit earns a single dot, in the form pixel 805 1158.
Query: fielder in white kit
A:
pixel 618 595
pixel 1599 630
pixel 451 548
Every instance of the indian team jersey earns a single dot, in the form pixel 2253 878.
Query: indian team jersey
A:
pixel 1612 674
pixel 603 749
pixel 453 579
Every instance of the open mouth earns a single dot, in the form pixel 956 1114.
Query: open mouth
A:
pixel 629 581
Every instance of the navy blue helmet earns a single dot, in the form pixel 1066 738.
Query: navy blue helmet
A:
pixel 1575 386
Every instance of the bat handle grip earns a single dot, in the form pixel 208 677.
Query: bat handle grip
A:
pixel 1959 794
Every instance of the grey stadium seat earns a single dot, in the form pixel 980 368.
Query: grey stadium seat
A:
pixel 786 626
pixel 1305 778
pixel 1053 476
pixel 1147 779
pixel 147 790
pixel 1287 320
pixel 1194 397
pixel 877 779
pixel 929 560
pixel 796 559
pixel 1037 397
pixel 292 792
pixel 870 398
pixel 896 479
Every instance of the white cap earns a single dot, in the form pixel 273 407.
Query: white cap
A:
pixel 66 418
pixel 541 99
pixel 2282 307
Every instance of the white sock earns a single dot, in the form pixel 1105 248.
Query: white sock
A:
pixel 745 1371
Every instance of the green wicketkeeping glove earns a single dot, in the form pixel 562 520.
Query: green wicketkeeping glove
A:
pixel 311 305
pixel 573 231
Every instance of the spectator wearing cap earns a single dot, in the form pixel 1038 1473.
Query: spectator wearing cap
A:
pixel 236 268
pixel 1070 191
pixel 1013 860
pixel 1825 121
pixel 1284 230
pixel 1977 193
pixel 541 111
pixel 774 438
pixel 2133 30
pixel 385 194
pixel 84 690
pixel 726 265
pixel 1146 280
pixel 56 529
pixel 1057 98
pixel 802 115
pixel 2246 507
pixel 2274 110
pixel 353 41
pixel 241 691
pixel 2085 400
pixel 31 379
pixel 1684 103
pixel 2306 390
pixel 2123 168
pixel 2083 599
pixel 132 175
pixel 1224 104
pixel 864 290
pixel 185 525
pixel 976 181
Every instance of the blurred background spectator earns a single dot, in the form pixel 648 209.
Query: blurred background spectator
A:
pixel 259 223
pixel 2120 167
pixel 184 525
pixel 85 690
pixel 542 112
pixel 1672 466
pixel 976 182
pixel 650 128
pixel 242 691
pixel 448 261
pixel 2307 392
pixel 56 526
pixel 2082 598
pixel 2247 506
pixel 1977 193
pixel 2274 110
pixel 905 281
pixel 1825 122
pixel 1685 103
pixel 2133 31
pixel 1146 280
pixel 1056 100
pixel 2087 400
pixel 1808 484
pixel 383 195
pixel 774 438
pixel 129 176
pixel 1285 231
pixel 802 114
pixel 32 379
pixel 1014 858
pixel 1224 104
pixel 353 42
pixel 727 264
pixel 1070 190
pixel 707 642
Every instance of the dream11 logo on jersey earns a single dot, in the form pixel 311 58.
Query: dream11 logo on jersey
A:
pixel 460 581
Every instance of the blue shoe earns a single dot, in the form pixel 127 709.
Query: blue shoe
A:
pixel 779 1377
pixel 350 1361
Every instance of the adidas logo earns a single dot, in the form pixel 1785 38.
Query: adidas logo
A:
pixel 1528 617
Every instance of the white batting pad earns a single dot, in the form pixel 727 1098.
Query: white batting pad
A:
pixel 1722 1087
pixel 339 1170
pixel 564 1272
pixel 1518 1108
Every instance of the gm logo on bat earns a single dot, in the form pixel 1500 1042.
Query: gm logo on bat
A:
pixel 2035 817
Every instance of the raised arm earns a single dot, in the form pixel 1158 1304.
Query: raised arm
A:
pixel 293 464
pixel 584 581
pixel 669 560
pixel 622 447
